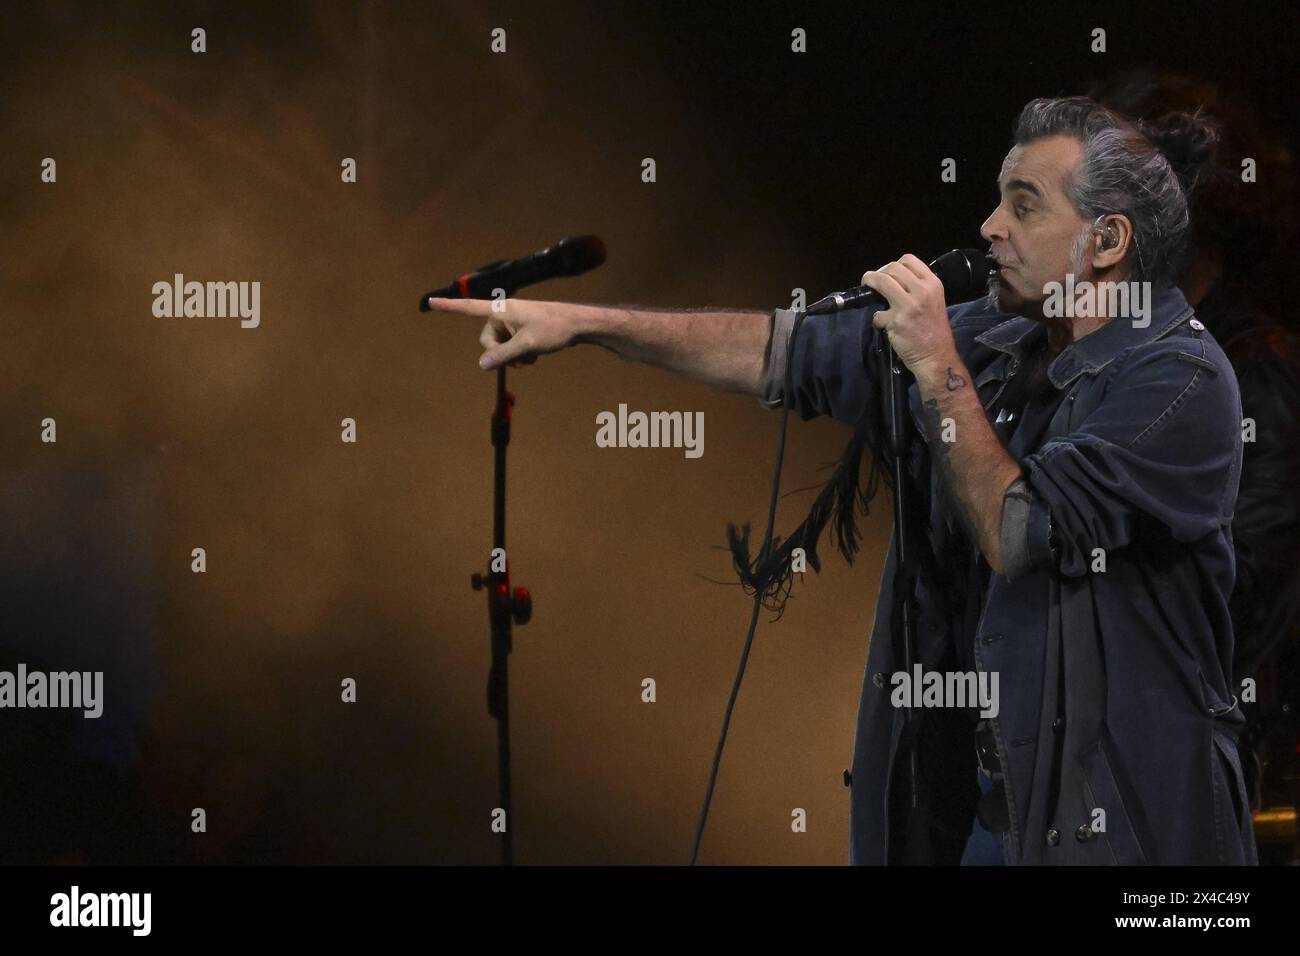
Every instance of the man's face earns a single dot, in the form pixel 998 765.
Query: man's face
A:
pixel 1034 229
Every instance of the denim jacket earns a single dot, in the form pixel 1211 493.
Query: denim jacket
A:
pixel 1117 720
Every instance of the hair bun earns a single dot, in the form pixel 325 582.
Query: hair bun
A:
pixel 1190 141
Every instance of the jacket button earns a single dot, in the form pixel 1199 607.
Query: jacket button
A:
pixel 1053 837
pixel 848 779
pixel 1196 324
pixel 878 679
pixel 1058 724
pixel 992 638
pixel 1084 833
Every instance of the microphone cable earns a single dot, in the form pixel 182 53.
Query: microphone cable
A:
pixel 758 594
pixel 961 271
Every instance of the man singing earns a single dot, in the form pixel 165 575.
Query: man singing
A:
pixel 1080 464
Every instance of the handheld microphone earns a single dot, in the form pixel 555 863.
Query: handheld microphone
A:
pixel 964 273
pixel 568 257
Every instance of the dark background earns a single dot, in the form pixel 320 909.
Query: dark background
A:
pixel 775 170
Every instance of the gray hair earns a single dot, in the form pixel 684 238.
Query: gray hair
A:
pixel 1124 171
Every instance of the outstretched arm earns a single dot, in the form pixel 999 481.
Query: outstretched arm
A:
pixel 725 349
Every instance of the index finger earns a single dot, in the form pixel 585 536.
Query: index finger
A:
pixel 887 286
pixel 480 308
pixel 916 267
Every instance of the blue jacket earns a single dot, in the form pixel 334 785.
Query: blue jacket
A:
pixel 1109 632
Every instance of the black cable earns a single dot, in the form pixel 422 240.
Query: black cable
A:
pixel 758 594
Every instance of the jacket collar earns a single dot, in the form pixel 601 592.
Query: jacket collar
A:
pixel 1013 336
pixel 1094 351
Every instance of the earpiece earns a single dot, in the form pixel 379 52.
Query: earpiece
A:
pixel 1109 236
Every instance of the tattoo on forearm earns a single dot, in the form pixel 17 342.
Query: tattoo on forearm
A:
pixel 955 381
pixel 933 427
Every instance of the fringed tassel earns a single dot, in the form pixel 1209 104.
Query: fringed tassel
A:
pixel 771 572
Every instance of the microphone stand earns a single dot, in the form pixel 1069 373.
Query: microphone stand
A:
pixel 894 395
pixel 505 607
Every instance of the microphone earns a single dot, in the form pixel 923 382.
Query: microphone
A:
pixel 965 273
pixel 568 257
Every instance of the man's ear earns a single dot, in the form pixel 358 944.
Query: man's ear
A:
pixel 1112 240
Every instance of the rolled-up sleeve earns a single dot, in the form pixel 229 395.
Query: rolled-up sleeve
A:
pixel 1161 450
pixel 778 350
pixel 1026 531
pixel 832 370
